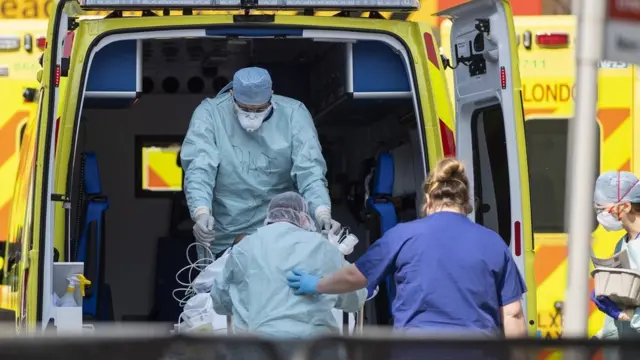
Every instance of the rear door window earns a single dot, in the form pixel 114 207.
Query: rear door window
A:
pixel 547 141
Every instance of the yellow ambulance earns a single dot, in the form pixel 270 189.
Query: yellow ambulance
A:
pixel 547 65
pixel 87 195
pixel 21 45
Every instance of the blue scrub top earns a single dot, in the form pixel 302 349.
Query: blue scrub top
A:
pixel 450 273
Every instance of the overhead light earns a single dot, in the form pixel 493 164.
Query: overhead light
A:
pixel 261 4
pixel 41 42
pixel 157 4
pixel 552 39
pixel 342 4
pixel 9 43
pixel 28 42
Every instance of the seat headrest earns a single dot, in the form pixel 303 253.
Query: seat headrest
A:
pixel 384 175
pixel 409 170
pixel 92 184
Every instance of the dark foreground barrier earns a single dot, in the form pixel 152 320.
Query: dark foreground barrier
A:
pixel 141 345
pixel 409 347
pixel 127 343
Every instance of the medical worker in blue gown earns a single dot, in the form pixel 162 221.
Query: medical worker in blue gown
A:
pixel 451 274
pixel 252 285
pixel 616 201
pixel 242 148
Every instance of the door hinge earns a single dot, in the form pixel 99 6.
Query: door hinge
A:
pixel 64 199
pixel 72 23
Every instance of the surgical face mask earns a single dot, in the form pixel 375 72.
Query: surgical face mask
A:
pixel 609 221
pixel 251 121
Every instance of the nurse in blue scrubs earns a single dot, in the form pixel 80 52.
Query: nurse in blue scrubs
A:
pixel 451 274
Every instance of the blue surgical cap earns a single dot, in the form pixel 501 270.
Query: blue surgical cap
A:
pixel 252 86
pixel 615 187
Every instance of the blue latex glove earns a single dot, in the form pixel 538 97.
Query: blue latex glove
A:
pixel 606 305
pixel 303 283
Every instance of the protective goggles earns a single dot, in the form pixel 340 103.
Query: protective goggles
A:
pixel 255 110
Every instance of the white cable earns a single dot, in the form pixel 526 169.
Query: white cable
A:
pixel 198 265
pixel 189 291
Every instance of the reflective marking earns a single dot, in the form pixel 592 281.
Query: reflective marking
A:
pixel 432 54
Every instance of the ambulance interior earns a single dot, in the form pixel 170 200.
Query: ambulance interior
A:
pixel 138 103
pixel 137 245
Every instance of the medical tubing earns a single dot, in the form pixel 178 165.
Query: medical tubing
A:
pixel 198 265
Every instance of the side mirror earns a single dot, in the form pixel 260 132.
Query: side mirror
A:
pixel 29 95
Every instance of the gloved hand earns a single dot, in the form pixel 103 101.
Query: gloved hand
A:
pixel 323 218
pixel 606 305
pixel 303 283
pixel 203 229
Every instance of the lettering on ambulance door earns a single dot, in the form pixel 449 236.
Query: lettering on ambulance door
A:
pixel 546 92
pixel 490 124
pixel 25 9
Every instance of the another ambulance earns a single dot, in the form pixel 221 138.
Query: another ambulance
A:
pixel 22 43
pixel 547 67
pixel 375 87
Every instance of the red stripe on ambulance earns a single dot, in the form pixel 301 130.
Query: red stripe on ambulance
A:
pixel 432 54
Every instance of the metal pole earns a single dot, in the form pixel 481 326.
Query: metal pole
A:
pixel 581 162
pixel 575 7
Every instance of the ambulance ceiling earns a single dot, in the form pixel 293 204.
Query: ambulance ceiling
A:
pixel 202 57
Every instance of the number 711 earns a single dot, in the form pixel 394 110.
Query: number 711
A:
pixel 533 64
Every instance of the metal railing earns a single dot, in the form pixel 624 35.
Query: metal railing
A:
pixel 126 343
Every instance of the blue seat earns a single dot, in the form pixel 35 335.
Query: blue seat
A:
pixel 91 244
pixel 380 202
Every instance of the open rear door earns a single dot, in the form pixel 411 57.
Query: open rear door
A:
pixel 490 126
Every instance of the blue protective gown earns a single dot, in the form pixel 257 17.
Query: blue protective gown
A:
pixel 235 173
pixel 253 288
pixel 450 274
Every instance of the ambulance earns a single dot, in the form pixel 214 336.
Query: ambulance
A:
pixel 22 43
pixel 90 199
pixel 547 66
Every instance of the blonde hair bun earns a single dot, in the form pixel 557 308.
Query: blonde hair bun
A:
pixel 448 169
pixel 448 186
